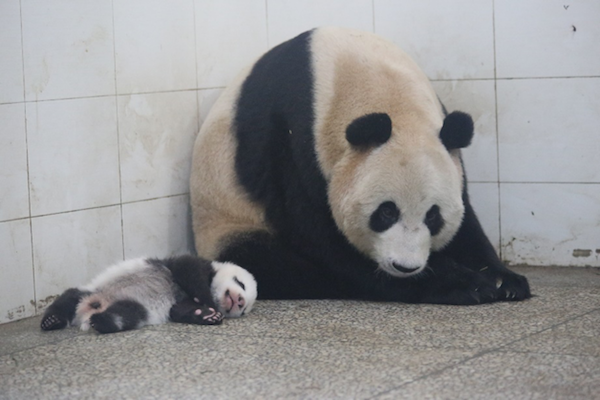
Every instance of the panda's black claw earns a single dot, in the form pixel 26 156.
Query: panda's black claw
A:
pixel 514 287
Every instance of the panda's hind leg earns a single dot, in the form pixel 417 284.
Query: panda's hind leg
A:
pixel 189 312
pixel 62 311
pixel 120 316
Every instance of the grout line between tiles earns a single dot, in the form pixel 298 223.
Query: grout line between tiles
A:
pixel 113 95
pixel 500 250
pixel 194 10
pixel 267 23
pixel 482 353
pixel 373 14
pixel 27 167
pixel 112 5
pixel 106 206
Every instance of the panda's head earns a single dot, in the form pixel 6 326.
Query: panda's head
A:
pixel 396 192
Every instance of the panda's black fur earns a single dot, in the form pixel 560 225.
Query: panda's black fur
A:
pixel 290 240
pixel 139 292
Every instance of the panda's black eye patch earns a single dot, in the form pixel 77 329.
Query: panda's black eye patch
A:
pixel 236 280
pixel 434 220
pixel 386 215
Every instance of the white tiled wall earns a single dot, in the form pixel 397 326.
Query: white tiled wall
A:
pixel 100 103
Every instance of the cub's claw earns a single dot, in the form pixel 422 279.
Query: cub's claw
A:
pixel 52 322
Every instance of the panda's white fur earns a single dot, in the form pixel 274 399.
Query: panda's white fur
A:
pixel 220 207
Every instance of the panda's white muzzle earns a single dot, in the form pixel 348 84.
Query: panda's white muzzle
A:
pixel 401 251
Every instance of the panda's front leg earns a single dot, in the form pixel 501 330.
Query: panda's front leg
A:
pixel 447 282
pixel 472 249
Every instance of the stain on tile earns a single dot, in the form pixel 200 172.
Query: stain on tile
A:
pixel 581 253
pixel 16 313
pixel 43 303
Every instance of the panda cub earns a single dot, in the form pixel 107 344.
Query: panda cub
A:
pixel 139 292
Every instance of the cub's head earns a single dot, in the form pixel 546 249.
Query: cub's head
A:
pixel 396 193
pixel 233 289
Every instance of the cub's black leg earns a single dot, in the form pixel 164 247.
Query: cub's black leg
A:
pixel 190 312
pixel 194 276
pixel 122 315
pixel 62 311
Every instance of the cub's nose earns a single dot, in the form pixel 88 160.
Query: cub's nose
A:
pixel 241 302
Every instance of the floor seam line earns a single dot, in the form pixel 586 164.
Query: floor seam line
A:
pixel 479 354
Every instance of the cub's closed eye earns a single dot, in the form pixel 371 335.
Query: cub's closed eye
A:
pixel 236 280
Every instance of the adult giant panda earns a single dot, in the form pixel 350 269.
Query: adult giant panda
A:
pixel 329 169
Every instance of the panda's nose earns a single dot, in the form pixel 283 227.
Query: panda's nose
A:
pixel 405 270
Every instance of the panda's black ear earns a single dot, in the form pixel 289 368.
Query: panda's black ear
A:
pixel 369 130
pixel 457 131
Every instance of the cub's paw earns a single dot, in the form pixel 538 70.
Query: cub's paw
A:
pixel 207 316
pixel 512 287
pixel 188 312
pixel 103 323
pixel 52 322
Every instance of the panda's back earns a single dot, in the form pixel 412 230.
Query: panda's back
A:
pixel 147 283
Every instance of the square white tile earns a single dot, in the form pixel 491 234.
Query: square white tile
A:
pixel 68 49
pixel 157 228
pixel 548 130
pixel 551 224
pixel 14 193
pixel 157 133
pixel 485 201
pixel 478 99
pixel 73 154
pixel 229 36
pixel 206 99
pixel 72 248
pixel 539 38
pixel 449 40
pixel 17 298
pixel 11 54
pixel 154 45
pixel 289 18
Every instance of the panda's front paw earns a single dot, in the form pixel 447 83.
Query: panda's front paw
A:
pixel 479 290
pixel 512 287
pixel 463 288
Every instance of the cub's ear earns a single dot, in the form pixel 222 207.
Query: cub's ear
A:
pixel 457 131
pixel 369 130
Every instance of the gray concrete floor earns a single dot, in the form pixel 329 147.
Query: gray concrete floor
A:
pixel 547 347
